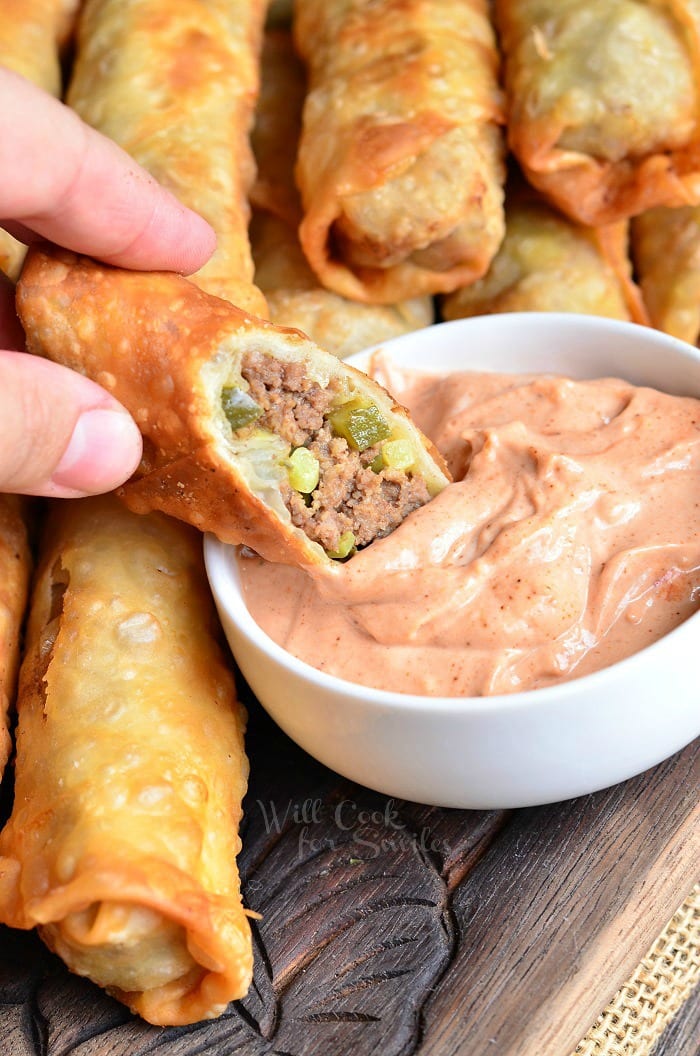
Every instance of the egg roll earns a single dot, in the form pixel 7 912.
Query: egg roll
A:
pixel 130 772
pixel 294 294
pixel 33 36
pixel 604 102
pixel 251 431
pixel 15 570
pixel 666 253
pixel 549 263
pixel 174 82
pixel 400 161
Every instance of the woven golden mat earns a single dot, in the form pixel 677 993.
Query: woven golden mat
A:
pixel 634 1020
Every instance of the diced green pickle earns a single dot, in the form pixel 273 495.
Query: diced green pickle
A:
pixel 377 463
pixel 304 470
pixel 240 408
pixel 346 545
pixel 398 454
pixel 360 423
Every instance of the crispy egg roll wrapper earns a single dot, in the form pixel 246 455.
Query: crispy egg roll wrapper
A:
pixel 294 295
pixel 130 769
pixel 15 570
pixel 400 160
pixel 170 352
pixel 33 34
pixel 549 263
pixel 604 102
pixel 174 82
pixel 666 252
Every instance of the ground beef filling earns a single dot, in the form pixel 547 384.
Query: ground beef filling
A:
pixel 350 496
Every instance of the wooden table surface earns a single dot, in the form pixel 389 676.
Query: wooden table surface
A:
pixel 393 928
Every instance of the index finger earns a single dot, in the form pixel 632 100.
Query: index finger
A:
pixel 70 184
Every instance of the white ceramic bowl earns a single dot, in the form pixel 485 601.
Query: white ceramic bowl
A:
pixel 504 751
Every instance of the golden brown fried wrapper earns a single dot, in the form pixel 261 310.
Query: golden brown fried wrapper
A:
pixel 400 161
pixel 130 770
pixel 174 356
pixel 294 295
pixel 666 252
pixel 549 263
pixel 174 82
pixel 15 570
pixel 603 102
pixel 33 34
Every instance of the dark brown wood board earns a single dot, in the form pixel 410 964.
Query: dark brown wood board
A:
pixel 393 928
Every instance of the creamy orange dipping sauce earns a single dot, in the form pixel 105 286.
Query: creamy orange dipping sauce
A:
pixel 569 540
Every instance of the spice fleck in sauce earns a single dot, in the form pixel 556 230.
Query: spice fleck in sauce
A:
pixel 569 540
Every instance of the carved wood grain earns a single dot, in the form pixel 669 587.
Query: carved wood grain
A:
pixel 394 928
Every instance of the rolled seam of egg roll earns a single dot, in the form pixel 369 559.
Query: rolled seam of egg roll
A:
pixel 548 262
pixel 224 401
pixel 666 252
pixel 400 160
pixel 605 137
pixel 33 34
pixel 174 82
pixel 15 570
pixel 130 769
pixel 294 294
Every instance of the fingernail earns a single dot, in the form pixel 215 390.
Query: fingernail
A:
pixel 102 453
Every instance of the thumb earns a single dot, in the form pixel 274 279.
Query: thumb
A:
pixel 61 435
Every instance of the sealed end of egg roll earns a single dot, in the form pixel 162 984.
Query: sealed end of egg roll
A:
pixel 174 82
pixel 294 294
pixel 251 431
pixel 603 102
pixel 549 263
pixel 15 570
pixel 130 769
pixel 666 252
pixel 400 160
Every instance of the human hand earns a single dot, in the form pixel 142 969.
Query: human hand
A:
pixel 62 435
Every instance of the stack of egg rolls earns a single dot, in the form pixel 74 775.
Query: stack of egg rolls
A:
pixel 400 161
pixel 549 263
pixel 15 569
pixel 174 82
pixel 33 36
pixel 604 102
pixel 130 770
pixel 294 294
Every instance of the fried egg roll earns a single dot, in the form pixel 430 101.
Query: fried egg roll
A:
pixel 121 847
pixel 666 251
pixel 549 263
pixel 251 431
pixel 174 82
pixel 33 34
pixel 604 102
pixel 15 569
pixel 400 159
pixel 294 294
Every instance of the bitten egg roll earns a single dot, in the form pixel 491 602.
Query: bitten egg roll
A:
pixel 604 102
pixel 15 569
pixel 251 431
pixel 174 83
pixel 33 34
pixel 549 263
pixel 130 772
pixel 294 294
pixel 400 160
pixel 666 252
